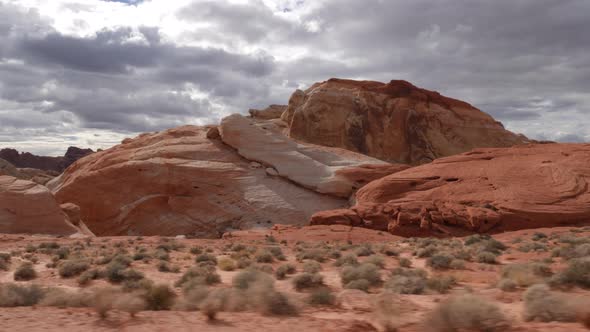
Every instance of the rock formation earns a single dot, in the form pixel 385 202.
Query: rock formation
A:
pixel 395 122
pixel 7 168
pixel 187 181
pixel 271 112
pixel 55 164
pixel 485 190
pixel 27 207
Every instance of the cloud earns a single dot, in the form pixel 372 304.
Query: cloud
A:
pixel 73 67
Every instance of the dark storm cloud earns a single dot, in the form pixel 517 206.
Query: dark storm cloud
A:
pixel 525 61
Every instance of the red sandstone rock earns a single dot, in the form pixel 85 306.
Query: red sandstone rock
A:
pixel 180 182
pixel 395 122
pixel 485 190
pixel 27 207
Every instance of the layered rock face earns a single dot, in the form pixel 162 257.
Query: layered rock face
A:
pixel 395 122
pixel 187 181
pixel 55 164
pixel 485 190
pixel 27 207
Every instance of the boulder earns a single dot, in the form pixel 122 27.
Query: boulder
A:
pixel 9 169
pixel 29 208
pixel 331 171
pixel 179 182
pixel 485 190
pixel 271 112
pixel 395 121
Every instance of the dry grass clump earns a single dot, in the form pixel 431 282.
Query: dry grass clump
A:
pixel 307 280
pixel 322 296
pixel 407 281
pixel 467 312
pixel 541 304
pixel 164 266
pixel 25 272
pixel 441 261
pixel 524 275
pixel 387 310
pixel 316 254
pixel 13 295
pixel 226 264
pixel 312 267
pixel 72 268
pixel 283 270
pixel 198 275
pixel 360 277
pixel 577 273
pixel 348 259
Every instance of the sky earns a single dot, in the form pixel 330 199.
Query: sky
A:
pixel 89 73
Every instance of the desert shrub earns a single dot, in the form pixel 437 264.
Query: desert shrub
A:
pixel 104 299
pixel 507 285
pixel 159 297
pixel 4 263
pixel 25 272
pixel 364 250
pixel 214 303
pixel 366 271
pixel 274 303
pixel 532 246
pixel 307 280
pixel 122 260
pixel 577 273
pixel 527 274
pixel 164 266
pixel 542 304
pixel 538 236
pixel 87 276
pixel 440 261
pixel 360 284
pixel 206 258
pixel 277 252
pixel 486 257
pixel 129 303
pixel 467 313
pixel 13 295
pixel 226 264
pixel 72 268
pixel 142 256
pixel 388 251
pixel 266 268
pixel 348 259
pixel 315 254
pixel 243 263
pixel 457 264
pixel 405 262
pixel 196 250
pixel 204 275
pixel 116 272
pixel 61 298
pixel 283 270
pixel 322 296
pixel 312 267
pixel 387 311
pixel 264 256
pixel 376 260
pixel 245 279
pixel 427 251
pixel 48 245
pixel 441 284
pixel 407 281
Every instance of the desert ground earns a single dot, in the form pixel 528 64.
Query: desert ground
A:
pixel 318 278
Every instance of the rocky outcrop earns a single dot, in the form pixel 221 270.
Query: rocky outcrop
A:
pixel 7 168
pixel 331 171
pixel 27 207
pixel 55 164
pixel 485 190
pixel 179 181
pixel 395 122
pixel 271 112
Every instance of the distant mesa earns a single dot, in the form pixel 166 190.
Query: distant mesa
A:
pixel 54 164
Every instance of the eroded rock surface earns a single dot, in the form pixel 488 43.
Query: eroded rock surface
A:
pixel 30 208
pixel 396 122
pixel 180 182
pixel 485 190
